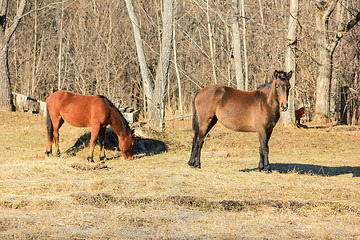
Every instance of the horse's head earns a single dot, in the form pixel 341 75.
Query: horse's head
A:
pixel 282 87
pixel 127 146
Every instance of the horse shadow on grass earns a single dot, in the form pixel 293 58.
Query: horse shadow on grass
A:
pixel 311 169
pixel 142 146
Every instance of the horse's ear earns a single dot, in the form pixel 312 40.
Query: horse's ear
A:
pixel 276 73
pixel 289 74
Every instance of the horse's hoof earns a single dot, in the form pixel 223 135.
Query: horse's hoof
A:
pixel 48 153
pixel 194 165
pixel 90 159
pixel 266 169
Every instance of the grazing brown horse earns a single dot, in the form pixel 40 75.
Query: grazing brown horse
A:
pixel 254 111
pixel 83 111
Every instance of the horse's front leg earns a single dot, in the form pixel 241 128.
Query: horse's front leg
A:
pixel 94 135
pixel 102 143
pixel 264 150
pixel 57 125
pixel 264 157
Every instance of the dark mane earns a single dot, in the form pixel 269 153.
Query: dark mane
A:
pixel 265 86
pixel 122 118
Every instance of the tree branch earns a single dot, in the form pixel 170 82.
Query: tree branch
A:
pixel 344 30
pixel 10 31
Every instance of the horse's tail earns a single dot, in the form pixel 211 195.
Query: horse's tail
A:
pixel 49 125
pixel 195 121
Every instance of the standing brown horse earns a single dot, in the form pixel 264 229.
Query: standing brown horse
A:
pixel 254 111
pixel 83 111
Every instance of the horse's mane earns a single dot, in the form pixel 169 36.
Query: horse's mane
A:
pixel 265 86
pixel 122 118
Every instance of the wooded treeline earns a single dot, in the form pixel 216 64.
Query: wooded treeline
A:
pixel 88 47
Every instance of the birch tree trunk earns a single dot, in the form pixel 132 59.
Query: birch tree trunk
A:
pixel 5 36
pixel 240 84
pixel 288 118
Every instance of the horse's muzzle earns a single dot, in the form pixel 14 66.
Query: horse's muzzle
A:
pixel 284 106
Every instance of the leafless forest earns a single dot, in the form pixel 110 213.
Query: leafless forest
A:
pixel 88 47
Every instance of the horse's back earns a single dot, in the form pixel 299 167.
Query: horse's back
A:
pixel 78 110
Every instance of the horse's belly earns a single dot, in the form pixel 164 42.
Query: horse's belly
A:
pixel 77 120
pixel 238 126
pixel 237 122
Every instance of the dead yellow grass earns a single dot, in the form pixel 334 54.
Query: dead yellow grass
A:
pixel 313 192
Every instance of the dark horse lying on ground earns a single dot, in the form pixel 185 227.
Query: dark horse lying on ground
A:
pixel 83 111
pixel 254 111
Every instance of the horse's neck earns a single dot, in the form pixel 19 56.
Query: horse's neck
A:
pixel 272 98
pixel 117 124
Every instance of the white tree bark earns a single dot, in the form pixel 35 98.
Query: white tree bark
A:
pixel 246 64
pixel 145 74
pixel 237 45
pixel 288 118
pixel 60 46
pixel 162 71
pixel 177 73
pixel 211 42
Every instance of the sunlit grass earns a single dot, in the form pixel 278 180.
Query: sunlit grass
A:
pixel 313 191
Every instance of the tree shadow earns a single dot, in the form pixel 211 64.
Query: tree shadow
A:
pixel 311 169
pixel 142 146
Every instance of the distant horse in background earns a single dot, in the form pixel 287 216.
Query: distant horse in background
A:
pixel 254 111
pixel 83 111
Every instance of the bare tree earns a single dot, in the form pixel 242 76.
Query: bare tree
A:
pixel 155 93
pixel 97 53
pixel 5 36
pixel 326 45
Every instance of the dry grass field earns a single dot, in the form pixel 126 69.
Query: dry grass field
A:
pixel 313 191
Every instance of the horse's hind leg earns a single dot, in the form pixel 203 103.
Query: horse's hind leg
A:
pixel 95 129
pixel 203 128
